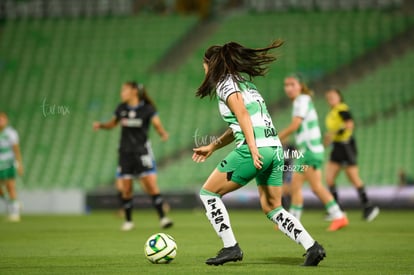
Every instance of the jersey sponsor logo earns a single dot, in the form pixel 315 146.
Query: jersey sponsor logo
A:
pixel 270 132
pixel 216 215
pixel 255 95
pixel 226 90
pixel 132 114
pixel 268 122
pixel 131 122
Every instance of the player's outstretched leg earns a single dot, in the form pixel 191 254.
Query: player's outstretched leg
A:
pixel 270 193
pixel 293 228
pixel 219 218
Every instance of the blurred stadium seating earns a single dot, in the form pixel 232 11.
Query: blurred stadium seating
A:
pixel 81 63
pixel 311 48
pixel 382 104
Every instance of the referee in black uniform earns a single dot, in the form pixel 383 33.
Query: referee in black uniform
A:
pixel 135 115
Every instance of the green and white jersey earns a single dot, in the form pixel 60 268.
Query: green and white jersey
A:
pixel 264 131
pixel 308 136
pixel 8 138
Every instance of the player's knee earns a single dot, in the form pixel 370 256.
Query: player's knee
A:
pixel 153 189
pixel 330 180
pixel 127 193
pixel 268 204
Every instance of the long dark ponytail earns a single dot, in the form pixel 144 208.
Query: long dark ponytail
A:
pixel 141 92
pixel 234 59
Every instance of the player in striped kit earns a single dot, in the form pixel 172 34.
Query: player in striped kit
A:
pixel 10 159
pixel 309 162
pixel 258 153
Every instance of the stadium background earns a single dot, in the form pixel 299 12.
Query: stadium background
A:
pixel 62 64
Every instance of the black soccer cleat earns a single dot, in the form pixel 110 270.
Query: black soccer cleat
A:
pixel 166 222
pixel 370 213
pixel 227 254
pixel 314 255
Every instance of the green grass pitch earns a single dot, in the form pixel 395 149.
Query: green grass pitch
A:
pixel 93 244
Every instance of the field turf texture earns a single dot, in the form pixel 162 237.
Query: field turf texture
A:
pixel 93 244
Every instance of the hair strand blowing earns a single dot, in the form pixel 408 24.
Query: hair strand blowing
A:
pixel 234 59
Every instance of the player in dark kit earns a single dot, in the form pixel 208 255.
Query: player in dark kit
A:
pixel 135 115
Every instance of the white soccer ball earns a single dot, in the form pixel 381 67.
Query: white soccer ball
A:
pixel 160 248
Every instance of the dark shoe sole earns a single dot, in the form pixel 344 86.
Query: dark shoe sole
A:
pixel 317 260
pixel 168 225
pixel 317 253
pixel 221 263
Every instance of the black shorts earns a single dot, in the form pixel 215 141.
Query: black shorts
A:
pixel 344 153
pixel 135 165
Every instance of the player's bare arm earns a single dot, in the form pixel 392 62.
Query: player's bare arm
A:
pixel 159 127
pixel 105 125
pixel 327 139
pixel 202 153
pixel 18 156
pixel 293 127
pixel 236 105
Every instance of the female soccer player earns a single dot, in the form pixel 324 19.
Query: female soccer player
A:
pixel 340 128
pixel 10 159
pixel 309 162
pixel 258 154
pixel 135 114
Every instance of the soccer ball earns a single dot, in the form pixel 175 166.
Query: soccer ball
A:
pixel 160 248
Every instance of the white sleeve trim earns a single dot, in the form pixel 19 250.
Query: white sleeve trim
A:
pixel 227 87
